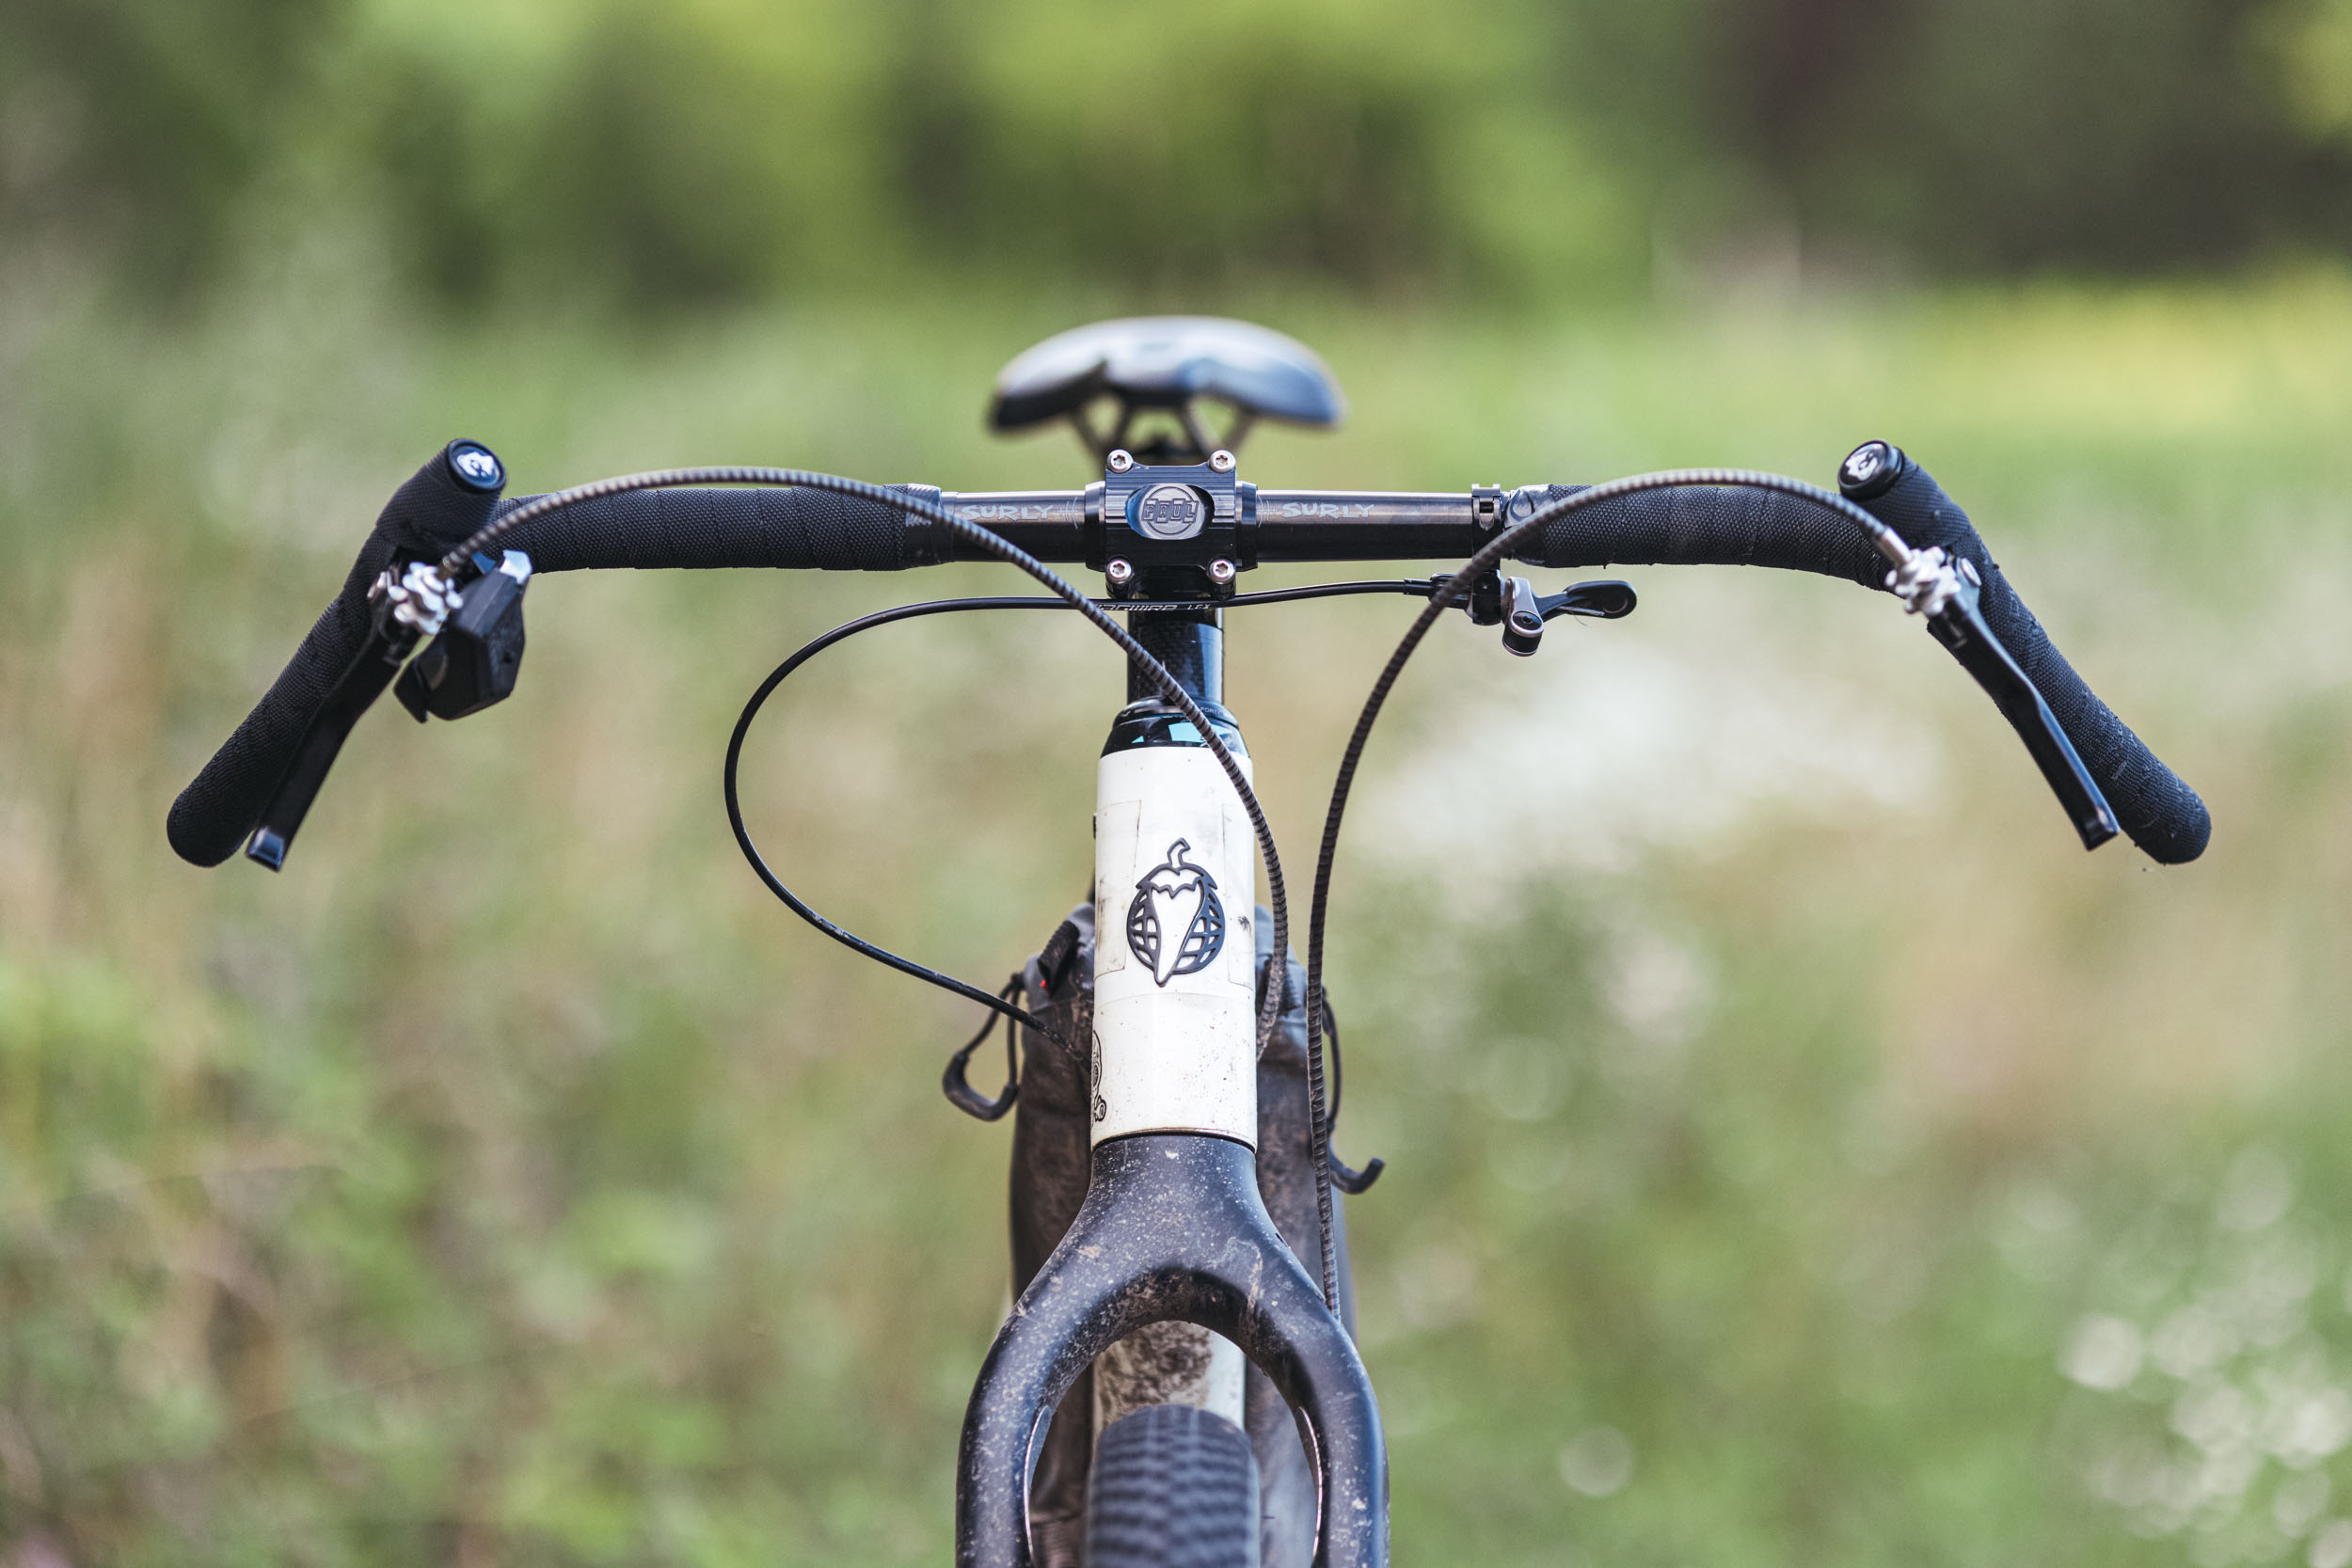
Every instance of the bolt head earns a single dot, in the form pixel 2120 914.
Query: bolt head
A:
pixel 1222 571
pixel 1222 460
pixel 1118 571
pixel 1119 461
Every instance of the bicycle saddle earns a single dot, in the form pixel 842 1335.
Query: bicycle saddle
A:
pixel 1165 363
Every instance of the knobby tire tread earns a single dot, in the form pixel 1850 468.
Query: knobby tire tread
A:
pixel 1174 1486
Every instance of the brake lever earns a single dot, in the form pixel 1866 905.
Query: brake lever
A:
pixel 1945 593
pixel 403 610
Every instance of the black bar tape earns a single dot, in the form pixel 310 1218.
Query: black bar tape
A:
pixel 434 510
pixel 795 529
pixel 2164 816
pixel 1694 525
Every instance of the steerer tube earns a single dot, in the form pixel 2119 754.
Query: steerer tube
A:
pixel 1191 642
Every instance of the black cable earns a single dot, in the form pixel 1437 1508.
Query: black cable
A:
pixel 1339 1070
pixel 1453 591
pixel 1456 590
pixel 1321 1121
pixel 1353 1182
pixel 759 864
pixel 1419 587
pixel 970 532
pixel 996 1002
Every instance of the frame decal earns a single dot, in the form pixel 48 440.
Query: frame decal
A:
pixel 1176 922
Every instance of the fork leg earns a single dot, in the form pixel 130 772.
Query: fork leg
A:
pixel 1172 1227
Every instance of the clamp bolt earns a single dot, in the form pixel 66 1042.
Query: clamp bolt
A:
pixel 1222 460
pixel 1486 506
pixel 1120 572
pixel 1222 571
pixel 1120 460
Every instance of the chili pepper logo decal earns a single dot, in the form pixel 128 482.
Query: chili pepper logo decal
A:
pixel 1176 925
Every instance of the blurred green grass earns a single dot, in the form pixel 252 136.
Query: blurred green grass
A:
pixel 511 1181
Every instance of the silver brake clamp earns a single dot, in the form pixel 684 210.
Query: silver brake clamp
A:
pixel 1929 580
pixel 421 597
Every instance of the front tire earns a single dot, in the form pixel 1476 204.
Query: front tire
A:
pixel 1174 1486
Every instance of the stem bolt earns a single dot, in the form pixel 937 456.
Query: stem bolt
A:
pixel 1120 460
pixel 1120 572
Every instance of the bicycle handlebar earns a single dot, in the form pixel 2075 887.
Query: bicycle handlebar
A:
pixel 449 499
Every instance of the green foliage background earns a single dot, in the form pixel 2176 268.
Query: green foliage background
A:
pixel 1767 1081
pixel 726 150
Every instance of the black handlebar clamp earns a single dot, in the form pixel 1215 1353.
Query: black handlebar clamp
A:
pixel 1170 531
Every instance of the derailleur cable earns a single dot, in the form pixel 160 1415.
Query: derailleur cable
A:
pixel 1456 590
pixel 1000 1002
pixel 965 531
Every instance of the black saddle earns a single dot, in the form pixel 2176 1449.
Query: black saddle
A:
pixel 1165 363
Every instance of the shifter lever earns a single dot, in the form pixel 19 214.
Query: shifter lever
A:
pixel 1514 603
